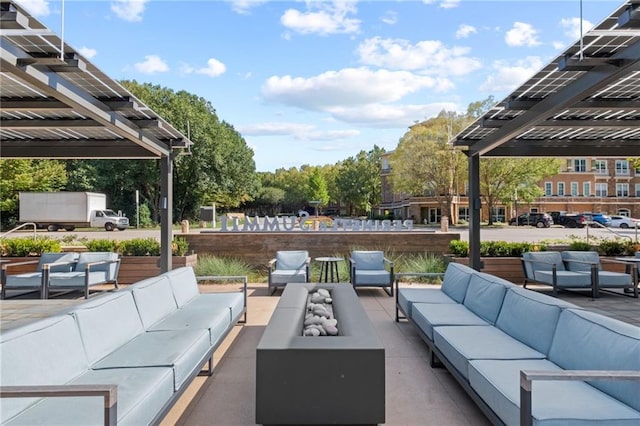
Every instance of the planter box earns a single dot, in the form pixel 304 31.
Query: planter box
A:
pixel 132 268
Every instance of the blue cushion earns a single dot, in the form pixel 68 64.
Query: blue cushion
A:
pixel 460 344
pixel 530 317
pixel 554 403
pixel 484 296
pixel 548 257
pixel 216 321
pixel 184 284
pixel 76 279
pixel 568 279
pixel 456 280
pixel 180 349
pixel 27 280
pixel 429 315
pixel 295 259
pixel 111 269
pixel 408 296
pixel 58 257
pixel 288 276
pixel 589 341
pixel 154 300
pixel 368 260
pixel 370 277
pixel 233 300
pixel 613 279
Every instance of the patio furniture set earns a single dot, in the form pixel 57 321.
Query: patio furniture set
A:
pixel 58 272
pixel 138 349
pixel 367 268
pixel 497 339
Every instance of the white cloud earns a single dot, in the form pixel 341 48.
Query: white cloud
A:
pixel 449 4
pixel 38 8
pixel 87 52
pixel 390 116
pixel 347 87
pixel 390 17
pixel 129 10
pixel 214 68
pixel 323 18
pixel 522 34
pixel 571 27
pixel 508 77
pixel 428 56
pixel 243 7
pixel 151 65
pixel 465 30
pixel 298 131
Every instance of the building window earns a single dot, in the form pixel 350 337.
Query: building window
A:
pixel 600 167
pixel 622 189
pixel 574 189
pixel 580 165
pixel 586 189
pixel 624 212
pixel 498 214
pixel 561 189
pixel 637 189
pixel 548 189
pixel 601 189
pixel 622 168
pixel 463 213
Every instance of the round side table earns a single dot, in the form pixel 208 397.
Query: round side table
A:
pixel 329 267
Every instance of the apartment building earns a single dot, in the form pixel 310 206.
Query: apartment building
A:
pixel 598 185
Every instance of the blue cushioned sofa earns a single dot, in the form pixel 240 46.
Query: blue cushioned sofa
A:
pixel 139 347
pixel 488 333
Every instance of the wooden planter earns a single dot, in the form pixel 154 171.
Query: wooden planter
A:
pixel 132 268
pixel 509 268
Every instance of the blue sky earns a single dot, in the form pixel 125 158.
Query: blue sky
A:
pixel 315 82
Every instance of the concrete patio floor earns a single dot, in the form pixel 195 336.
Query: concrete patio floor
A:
pixel 416 394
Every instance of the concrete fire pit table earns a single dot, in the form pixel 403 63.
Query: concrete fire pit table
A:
pixel 322 379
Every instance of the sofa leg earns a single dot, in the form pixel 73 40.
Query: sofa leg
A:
pixel 434 362
pixel 389 292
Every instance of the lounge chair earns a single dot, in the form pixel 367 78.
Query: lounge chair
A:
pixel 92 268
pixel 588 261
pixel 371 269
pixel 289 267
pixel 548 268
pixel 34 281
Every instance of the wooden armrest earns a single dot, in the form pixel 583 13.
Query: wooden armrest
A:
pixel 26 262
pixel 49 265
pixel 108 392
pixel 89 265
pixel 528 376
pixel 271 263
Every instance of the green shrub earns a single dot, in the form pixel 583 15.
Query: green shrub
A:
pixel 615 247
pixel 140 247
pixel 495 248
pixel 459 248
pixel 102 245
pixel 217 265
pixel 21 247
pixel 580 246
pixel 179 246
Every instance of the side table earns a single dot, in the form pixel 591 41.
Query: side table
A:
pixel 329 267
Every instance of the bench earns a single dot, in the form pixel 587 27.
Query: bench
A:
pixel 496 338
pixel 125 356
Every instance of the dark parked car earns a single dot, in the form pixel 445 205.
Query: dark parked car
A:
pixel 539 220
pixel 568 220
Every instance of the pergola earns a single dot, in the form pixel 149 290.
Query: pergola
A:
pixel 55 104
pixel 584 103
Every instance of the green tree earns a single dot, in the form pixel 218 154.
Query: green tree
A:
pixel 426 164
pixel 318 187
pixel 500 178
pixel 26 175
pixel 358 181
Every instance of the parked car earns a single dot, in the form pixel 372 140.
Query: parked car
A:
pixel 539 220
pixel 568 220
pixel 601 218
pixel 624 222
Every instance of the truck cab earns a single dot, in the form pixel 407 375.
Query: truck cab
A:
pixel 109 220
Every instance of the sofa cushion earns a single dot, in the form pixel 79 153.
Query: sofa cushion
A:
pixel 183 284
pixel 408 296
pixel 484 296
pixel 589 341
pixel 216 320
pixel 110 269
pixel 568 279
pixel 233 300
pixel 429 315
pixel 370 277
pixel 456 280
pixel 592 257
pixel 76 279
pixel 25 280
pixel 368 260
pixel 180 349
pixel 154 299
pixel 292 259
pixel 142 392
pixel 46 351
pixel 553 402
pixel 460 344
pixel 107 322
pixel 288 276
pixel 542 261
pixel 614 279
pixel 71 258
pixel 530 317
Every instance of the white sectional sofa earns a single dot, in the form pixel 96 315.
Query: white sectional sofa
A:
pixel 149 340
pixel 488 332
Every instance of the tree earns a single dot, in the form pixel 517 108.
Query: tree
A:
pixel 358 181
pixel 500 178
pixel 425 163
pixel 318 188
pixel 26 175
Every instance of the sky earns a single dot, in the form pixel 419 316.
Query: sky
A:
pixel 316 82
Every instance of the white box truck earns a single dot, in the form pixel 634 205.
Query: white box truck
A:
pixel 68 210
